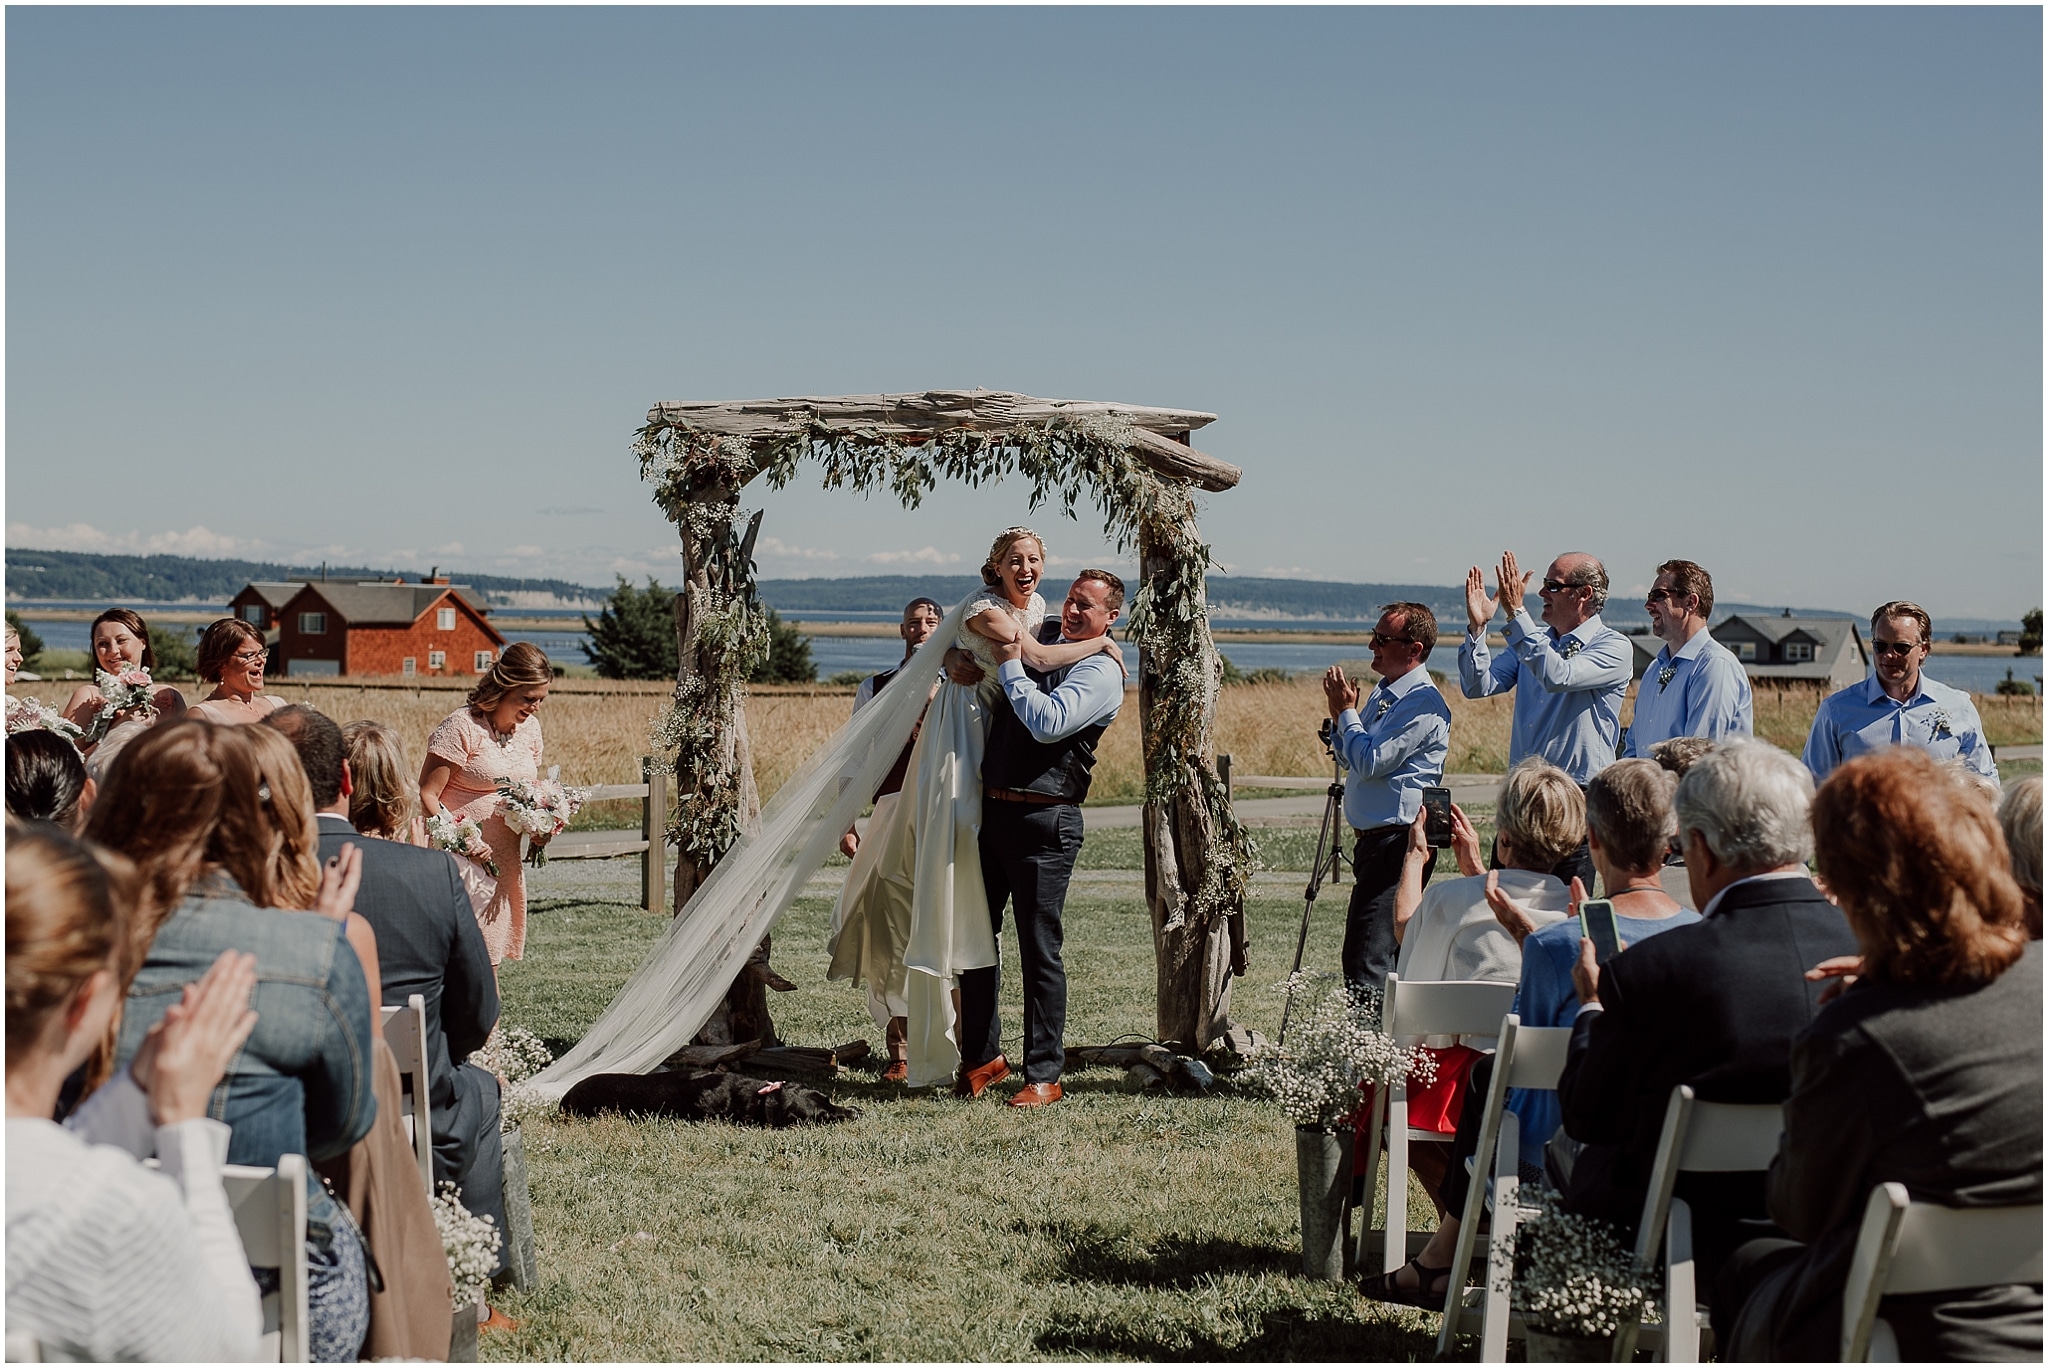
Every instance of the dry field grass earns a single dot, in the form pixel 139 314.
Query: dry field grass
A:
pixel 596 730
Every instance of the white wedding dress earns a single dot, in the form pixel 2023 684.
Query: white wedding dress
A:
pixel 684 977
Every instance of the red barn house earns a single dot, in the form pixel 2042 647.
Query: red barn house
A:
pixel 332 628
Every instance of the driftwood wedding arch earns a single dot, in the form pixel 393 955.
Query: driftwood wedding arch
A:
pixel 1136 465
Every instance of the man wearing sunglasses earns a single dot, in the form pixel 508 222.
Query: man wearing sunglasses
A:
pixel 1898 705
pixel 1695 686
pixel 1568 676
pixel 1393 745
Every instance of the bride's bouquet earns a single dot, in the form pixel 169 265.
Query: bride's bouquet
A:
pixel 131 691
pixel 538 808
pixel 32 714
pixel 461 836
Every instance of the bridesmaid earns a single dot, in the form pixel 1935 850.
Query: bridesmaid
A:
pixel 231 657
pixel 496 736
pixel 120 641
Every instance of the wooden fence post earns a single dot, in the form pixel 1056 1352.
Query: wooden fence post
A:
pixel 654 830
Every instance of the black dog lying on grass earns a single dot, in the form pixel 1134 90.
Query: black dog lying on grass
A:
pixel 705 1096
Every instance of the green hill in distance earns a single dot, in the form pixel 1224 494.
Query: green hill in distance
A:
pixel 34 574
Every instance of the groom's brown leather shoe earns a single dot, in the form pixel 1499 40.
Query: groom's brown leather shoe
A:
pixel 974 1082
pixel 1037 1095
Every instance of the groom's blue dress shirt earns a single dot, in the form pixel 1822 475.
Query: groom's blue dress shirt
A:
pixel 1092 692
pixel 1863 717
pixel 1393 745
pixel 1700 689
pixel 1568 690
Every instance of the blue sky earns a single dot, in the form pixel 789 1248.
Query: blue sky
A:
pixel 1757 287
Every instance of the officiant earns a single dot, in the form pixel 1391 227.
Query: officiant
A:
pixel 1041 753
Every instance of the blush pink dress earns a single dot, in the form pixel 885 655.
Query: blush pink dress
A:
pixel 480 757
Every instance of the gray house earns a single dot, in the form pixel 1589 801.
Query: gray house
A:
pixel 1823 653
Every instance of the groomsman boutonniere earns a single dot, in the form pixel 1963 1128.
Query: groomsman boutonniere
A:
pixel 1939 725
pixel 1570 647
pixel 1666 675
pixel 1386 706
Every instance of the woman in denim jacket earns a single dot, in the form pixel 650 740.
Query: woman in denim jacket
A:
pixel 221 827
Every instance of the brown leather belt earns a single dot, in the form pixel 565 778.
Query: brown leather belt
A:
pixel 1018 796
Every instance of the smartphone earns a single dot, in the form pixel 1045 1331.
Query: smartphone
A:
pixel 1596 923
pixel 1436 803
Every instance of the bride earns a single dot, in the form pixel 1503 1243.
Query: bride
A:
pixel 914 916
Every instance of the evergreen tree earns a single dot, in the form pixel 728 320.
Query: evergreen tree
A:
pixel 2030 632
pixel 634 636
pixel 176 654
pixel 789 656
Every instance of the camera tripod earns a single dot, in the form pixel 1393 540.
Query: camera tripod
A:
pixel 1329 860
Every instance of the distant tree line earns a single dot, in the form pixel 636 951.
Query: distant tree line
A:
pixel 33 574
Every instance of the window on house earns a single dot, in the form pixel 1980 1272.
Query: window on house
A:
pixel 437 660
pixel 312 624
pixel 444 620
pixel 253 612
pixel 483 661
pixel 1744 650
pixel 1798 650
pixel 410 665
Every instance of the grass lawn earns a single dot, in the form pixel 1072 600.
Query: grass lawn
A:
pixel 1114 1225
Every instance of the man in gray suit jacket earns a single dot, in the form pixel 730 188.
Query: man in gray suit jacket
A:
pixel 427 943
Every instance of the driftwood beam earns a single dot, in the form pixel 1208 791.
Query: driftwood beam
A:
pixel 932 411
pixel 1172 459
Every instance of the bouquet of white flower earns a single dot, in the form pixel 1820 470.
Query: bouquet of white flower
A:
pixel 460 836
pixel 471 1244
pixel 1573 1275
pixel 130 691
pixel 32 714
pixel 538 809
pixel 516 1054
pixel 1336 1049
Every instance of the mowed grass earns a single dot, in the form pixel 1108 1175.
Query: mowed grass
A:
pixel 1114 1225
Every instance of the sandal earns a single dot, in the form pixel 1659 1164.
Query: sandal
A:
pixel 1382 1287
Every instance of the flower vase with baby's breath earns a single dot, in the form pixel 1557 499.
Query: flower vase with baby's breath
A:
pixel 1576 1284
pixel 1335 1049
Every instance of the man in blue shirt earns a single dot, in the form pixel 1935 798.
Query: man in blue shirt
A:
pixel 1695 686
pixel 1393 747
pixel 1897 705
pixel 1569 677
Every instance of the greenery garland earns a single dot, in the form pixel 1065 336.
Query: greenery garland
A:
pixel 697 475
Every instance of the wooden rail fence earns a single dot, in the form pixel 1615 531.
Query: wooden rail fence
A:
pixel 650 844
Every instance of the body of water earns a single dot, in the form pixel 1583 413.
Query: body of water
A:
pixel 839 654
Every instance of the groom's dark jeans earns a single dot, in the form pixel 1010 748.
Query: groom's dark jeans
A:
pixel 1027 856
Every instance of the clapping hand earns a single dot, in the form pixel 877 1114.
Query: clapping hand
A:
pixel 1465 843
pixel 184 1055
pixel 1478 605
pixel 339 880
pixel 1513 584
pixel 1341 693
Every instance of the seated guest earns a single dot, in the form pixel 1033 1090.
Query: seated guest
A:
pixel 1714 1005
pixel 1678 754
pixel 1926 1071
pixel 231 658
pixel 107 1261
pixel 46 780
pixel 2019 816
pixel 428 943
pixel 1450 931
pixel 1628 824
pixel 383 801
pixel 221 829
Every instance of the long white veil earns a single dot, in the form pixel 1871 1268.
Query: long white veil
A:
pixel 674 991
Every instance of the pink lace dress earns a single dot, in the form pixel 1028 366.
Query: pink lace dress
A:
pixel 481 758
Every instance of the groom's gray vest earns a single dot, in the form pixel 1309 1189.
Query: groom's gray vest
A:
pixel 1018 761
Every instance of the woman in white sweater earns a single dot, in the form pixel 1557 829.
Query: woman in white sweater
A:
pixel 107 1260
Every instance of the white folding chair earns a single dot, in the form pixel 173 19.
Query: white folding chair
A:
pixel 1699 1137
pixel 405 1031
pixel 270 1213
pixel 1412 1011
pixel 1527 1057
pixel 1907 1246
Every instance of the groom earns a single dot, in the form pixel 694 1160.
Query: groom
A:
pixel 1041 751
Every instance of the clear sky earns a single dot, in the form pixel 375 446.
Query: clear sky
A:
pixel 1757 287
